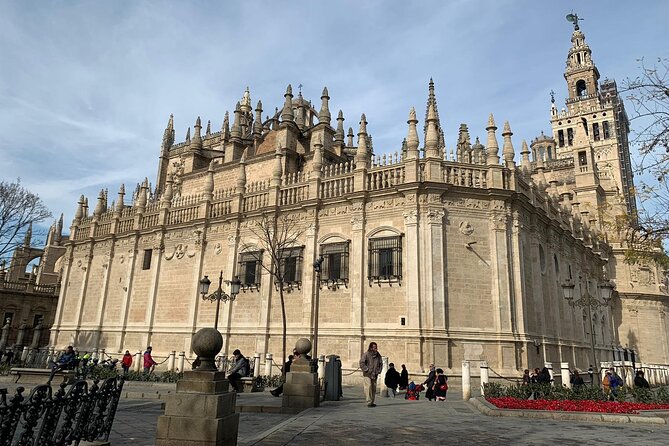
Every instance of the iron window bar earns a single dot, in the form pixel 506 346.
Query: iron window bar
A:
pixel 334 270
pixel 249 268
pixel 290 264
pixel 385 260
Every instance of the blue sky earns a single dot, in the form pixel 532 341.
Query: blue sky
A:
pixel 86 87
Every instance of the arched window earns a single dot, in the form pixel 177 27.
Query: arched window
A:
pixel 581 89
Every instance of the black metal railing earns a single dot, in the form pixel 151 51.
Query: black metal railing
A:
pixel 68 416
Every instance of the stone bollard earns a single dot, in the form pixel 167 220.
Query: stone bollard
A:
pixel 382 384
pixel 95 355
pixel 139 362
pixel 549 366
pixel 50 356
pixel 182 361
pixel 466 381
pixel 256 364
pixel 202 411
pixel 485 375
pixel 268 365
pixel 171 359
pixel 301 390
pixel 321 367
pixel 564 372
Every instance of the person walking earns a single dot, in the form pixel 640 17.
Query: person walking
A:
pixel 239 370
pixel 429 383
pixel 404 378
pixel 640 381
pixel 392 379
pixel 371 366
pixel 149 363
pixel 440 387
pixel 126 362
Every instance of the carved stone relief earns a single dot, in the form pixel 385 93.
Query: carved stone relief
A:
pixel 466 228
pixel 179 251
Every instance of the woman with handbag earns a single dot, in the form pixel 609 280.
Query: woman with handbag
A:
pixel 440 387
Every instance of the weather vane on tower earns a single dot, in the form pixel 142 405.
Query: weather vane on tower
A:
pixel 573 18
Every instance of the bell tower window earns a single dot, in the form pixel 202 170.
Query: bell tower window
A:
pixel 581 88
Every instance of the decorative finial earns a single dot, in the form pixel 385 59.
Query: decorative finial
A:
pixel 574 18
pixel 552 97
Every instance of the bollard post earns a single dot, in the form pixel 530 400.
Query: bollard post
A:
pixel 95 355
pixel 171 360
pixel 549 366
pixel 182 361
pixel 268 365
pixel 50 356
pixel 485 375
pixel 139 362
pixel 321 367
pixel 256 364
pixel 466 381
pixel 24 353
pixel 564 372
pixel 102 354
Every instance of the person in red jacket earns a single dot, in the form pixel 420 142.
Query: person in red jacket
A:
pixel 149 363
pixel 126 362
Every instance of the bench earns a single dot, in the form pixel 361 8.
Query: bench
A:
pixel 39 376
pixel 248 384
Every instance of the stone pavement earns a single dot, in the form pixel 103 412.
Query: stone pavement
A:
pixel 392 422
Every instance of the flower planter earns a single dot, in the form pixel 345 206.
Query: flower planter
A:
pixel 575 405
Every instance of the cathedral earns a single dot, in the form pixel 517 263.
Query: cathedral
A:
pixel 438 255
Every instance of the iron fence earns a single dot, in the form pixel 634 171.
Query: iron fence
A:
pixel 68 416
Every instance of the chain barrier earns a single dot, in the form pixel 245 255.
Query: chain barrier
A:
pixel 349 374
pixel 515 381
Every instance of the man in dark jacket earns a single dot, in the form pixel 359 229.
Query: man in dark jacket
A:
pixel 239 370
pixel 640 380
pixel 286 368
pixel 429 382
pixel 392 380
pixel 371 365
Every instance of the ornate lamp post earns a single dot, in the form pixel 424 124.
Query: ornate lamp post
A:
pixel 318 263
pixel 219 295
pixel 589 302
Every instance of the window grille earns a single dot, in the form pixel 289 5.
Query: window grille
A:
pixel 334 270
pixel 561 138
pixel 605 127
pixel 385 260
pixel 291 267
pixel 570 136
pixel 595 131
pixel 147 259
pixel 249 269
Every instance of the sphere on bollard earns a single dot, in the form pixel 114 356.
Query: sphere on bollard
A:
pixel 303 346
pixel 206 344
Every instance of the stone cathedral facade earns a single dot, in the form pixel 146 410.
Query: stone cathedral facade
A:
pixel 439 255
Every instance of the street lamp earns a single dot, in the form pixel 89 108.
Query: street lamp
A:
pixel 589 302
pixel 219 295
pixel 318 264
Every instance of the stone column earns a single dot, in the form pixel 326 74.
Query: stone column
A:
pixel 564 373
pixel 268 365
pixel 182 361
pixel 256 364
pixel 485 375
pixel 300 390
pixel 466 381
pixel 202 411
pixel 171 360
pixel 4 336
pixel 381 385
pixel 138 363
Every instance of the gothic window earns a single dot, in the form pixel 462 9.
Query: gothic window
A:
pixel 146 264
pixel 37 318
pixel 570 136
pixel 8 315
pixel 249 269
pixel 385 260
pixel 334 269
pixel 605 127
pixel 582 158
pixel 291 266
pixel 561 138
pixel 581 89
pixel 595 131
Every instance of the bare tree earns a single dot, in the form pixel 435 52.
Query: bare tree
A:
pixel 648 95
pixel 279 237
pixel 19 208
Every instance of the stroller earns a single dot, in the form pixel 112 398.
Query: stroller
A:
pixel 413 391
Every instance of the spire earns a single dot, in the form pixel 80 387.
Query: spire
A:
pixel 119 200
pixel 339 133
pixel 361 157
pixel 79 214
pixel 300 116
pixel 208 131
pixel 478 152
pixel 464 145
pixel 412 137
pixel 324 114
pixel 507 149
pixel 278 168
pixel 241 174
pixel 432 101
pixel 29 235
pixel 349 137
pixel 257 124
pixel 100 204
pixel 166 199
pixel 168 135
pixel 85 206
pixel 209 181
pixel 541 176
pixel 246 100
pixel 225 128
pixel 525 163
pixel 188 136
pixel 317 163
pixel 287 112
pixel 432 125
pixel 59 229
pixel 492 149
pixel 236 130
pixel 196 143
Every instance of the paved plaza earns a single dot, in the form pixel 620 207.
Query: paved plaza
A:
pixel 392 422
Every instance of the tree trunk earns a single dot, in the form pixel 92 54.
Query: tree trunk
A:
pixel 283 332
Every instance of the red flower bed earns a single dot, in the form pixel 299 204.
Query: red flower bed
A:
pixel 575 405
